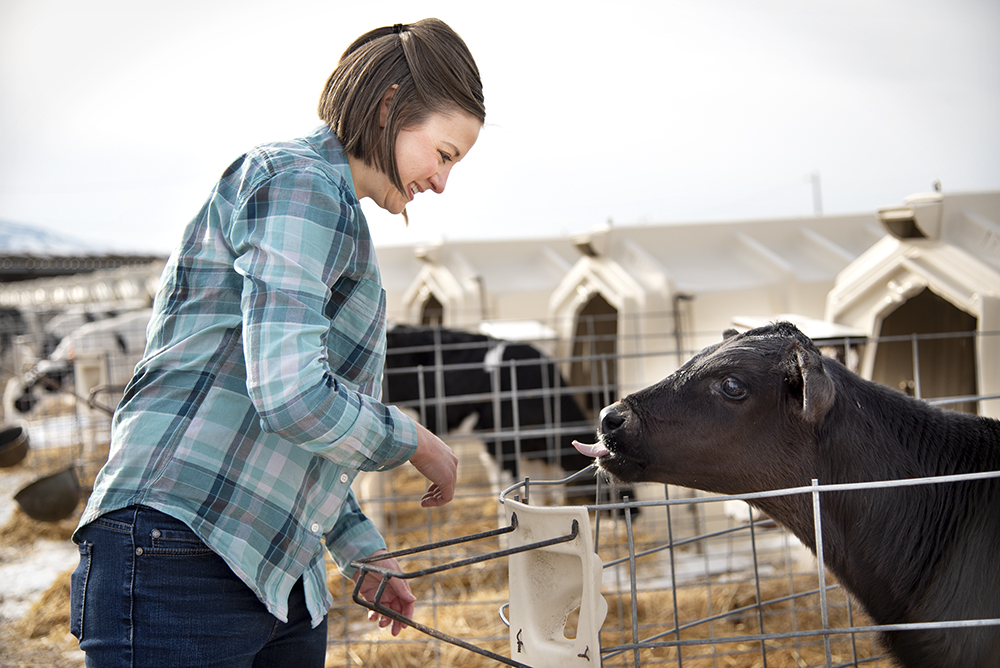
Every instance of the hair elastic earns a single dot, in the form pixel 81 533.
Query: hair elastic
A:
pixel 398 28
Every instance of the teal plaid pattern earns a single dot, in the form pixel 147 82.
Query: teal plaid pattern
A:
pixel 255 404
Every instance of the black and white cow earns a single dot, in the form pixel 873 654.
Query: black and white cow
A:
pixel 475 373
pixel 764 410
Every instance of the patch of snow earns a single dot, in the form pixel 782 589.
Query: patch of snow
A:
pixel 27 572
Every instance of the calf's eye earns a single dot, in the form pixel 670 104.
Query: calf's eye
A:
pixel 732 388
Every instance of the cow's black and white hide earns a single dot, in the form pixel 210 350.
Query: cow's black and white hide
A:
pixel 122 338
pixel 764 410
pixel 473 373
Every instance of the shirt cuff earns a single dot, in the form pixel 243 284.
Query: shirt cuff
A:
pixel 356 542
pixel 399 448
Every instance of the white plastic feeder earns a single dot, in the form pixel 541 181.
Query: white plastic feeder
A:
pixel 548 584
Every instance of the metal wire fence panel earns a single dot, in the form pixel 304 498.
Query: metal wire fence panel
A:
pixel 742 593
pixel 777 608
pixel 690 580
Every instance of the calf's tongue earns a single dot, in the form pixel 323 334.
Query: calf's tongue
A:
pixel 591 449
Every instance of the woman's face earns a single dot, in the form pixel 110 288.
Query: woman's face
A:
pixel 425 155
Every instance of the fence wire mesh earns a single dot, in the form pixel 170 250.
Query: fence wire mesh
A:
pixel 690 580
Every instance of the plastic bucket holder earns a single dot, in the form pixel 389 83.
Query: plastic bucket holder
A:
pixel 548 584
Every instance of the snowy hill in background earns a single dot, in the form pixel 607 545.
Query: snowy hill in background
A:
pixel 16 239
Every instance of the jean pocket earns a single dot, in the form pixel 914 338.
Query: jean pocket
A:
pixel 78 590
pixel 170 537
pixel 173 543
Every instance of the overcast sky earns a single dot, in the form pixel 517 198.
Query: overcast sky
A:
pixel 119 115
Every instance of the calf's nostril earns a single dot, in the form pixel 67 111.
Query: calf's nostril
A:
pixel 611 420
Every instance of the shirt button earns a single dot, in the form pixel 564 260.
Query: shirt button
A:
pixel 315 527
pixel 138 551
pixel 344 478
pixel 155 533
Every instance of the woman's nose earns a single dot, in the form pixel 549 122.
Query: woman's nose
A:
pixel 439 179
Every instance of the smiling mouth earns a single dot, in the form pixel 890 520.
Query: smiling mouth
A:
pixel 413 190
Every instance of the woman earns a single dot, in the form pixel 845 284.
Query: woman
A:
pixel 256 403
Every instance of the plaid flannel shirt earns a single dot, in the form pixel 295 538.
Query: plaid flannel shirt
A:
pixel 255 405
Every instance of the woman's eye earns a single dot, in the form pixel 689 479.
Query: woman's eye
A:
pixel 733 389
pixel 444 156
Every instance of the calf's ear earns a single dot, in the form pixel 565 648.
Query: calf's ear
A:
pixel 817 389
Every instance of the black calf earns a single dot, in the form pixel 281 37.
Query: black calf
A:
pixel 764 410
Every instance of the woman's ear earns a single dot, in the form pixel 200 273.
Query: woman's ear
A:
pixel 383 110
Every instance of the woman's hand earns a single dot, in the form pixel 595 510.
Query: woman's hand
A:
pixel 436 462
pixel 397 595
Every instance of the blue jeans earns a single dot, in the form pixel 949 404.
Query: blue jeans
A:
pixel 149 593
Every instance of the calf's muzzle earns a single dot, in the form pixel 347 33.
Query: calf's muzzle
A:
pixel 612 419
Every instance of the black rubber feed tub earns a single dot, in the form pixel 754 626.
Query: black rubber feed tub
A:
pixel 51 498
pixel 13 446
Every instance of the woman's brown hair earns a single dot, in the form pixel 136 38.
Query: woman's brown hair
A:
pixel 434 73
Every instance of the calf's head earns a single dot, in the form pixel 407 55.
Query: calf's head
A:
pixel 741 416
